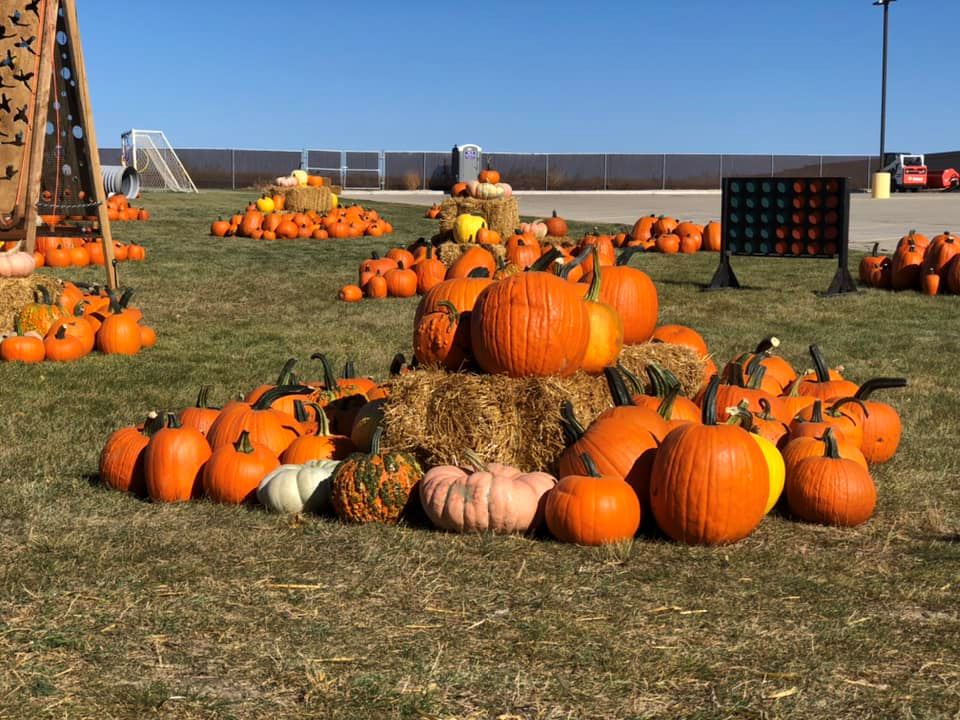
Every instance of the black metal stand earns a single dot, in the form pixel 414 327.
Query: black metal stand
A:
pixel 724 277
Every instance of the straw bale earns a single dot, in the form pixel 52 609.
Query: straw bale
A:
pixel 437 415
pixel 678 359
pixel 301 199
pixel 17 292
pixel 501 214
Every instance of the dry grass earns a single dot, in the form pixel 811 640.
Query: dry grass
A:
pixel 115 608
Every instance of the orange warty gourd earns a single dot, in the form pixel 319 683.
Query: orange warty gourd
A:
pixel 462 294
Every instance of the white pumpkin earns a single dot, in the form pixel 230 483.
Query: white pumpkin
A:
pixel 300 176
pixel 489 191
pixel 298 488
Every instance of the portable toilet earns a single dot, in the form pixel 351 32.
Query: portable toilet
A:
pixel 466 162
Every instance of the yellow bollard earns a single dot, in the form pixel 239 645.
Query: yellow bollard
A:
pixel 881 185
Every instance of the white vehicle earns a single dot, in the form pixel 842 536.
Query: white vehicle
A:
pixel 907 171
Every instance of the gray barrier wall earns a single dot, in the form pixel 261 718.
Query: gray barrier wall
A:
pixel 228 168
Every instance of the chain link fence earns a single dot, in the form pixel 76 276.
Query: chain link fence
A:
pixel 431 170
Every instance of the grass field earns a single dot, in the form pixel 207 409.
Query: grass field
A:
pixel 111 607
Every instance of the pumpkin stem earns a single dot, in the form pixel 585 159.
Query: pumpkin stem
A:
pixel 876 249
pixel 125 298
pixel 17 326
pixel 767 345
pixel 396 365
pixel 593 293
pixel 152 424
pixel 590 465
pixel 572 429
pixel 819 364
pixel 172 421
pixel 634 381
pixel 349 370
pixel 479 272
pixel 708 411
pixel 740 415
pixel 475 462
pixel 284 377
pixel 733 374
pixel 881 383
pixel 816 415
pixel 833 410
pixel 274 394
pixel 618 389
pixel 375 441
pixel 756 377
pixel 242 445
pixel 300 412
pixel 61 332
pixel 830 449
pixel 451 311
pixel 765 410
pixel 665 408
pixel 794 389
pixel 624 257
pixel 329 379
pixel 545 261
pixel 78 308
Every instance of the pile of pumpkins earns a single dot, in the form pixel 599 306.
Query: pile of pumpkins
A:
pixel 299 178
pixel 62 252
pixel 661 233
pixel 703 471
pixel 931 265
pixel 120 210
pixel 486 187
pixel 266 220
pixel 82 319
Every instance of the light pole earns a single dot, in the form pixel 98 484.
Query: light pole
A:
pixel 883 87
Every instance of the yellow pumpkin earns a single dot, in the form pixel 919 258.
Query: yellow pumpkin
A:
pixel 776 470
pixel 334 200
pixel 466 227
pixel 300 176
pixel 265 204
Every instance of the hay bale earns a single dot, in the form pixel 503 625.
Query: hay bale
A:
pixel 17 292
pixel 302 199
pixel 450 252
pixel 437 415
pixel 678 359
pixel 501 214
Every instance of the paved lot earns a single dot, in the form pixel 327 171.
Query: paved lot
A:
pixel 871 221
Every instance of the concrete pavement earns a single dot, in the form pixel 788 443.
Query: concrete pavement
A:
pixel 871 221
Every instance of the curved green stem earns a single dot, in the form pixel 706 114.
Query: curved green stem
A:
pixel 881 383
pixel 618 389
pixel 329 379
pixel 375 441
pixel 572 429
pixel 475 462
pixel 708 410
pixel 819 364
pixel 834 410
pixel 590 465
pixel 593 293
pixel 271 396
pixel 830 449
pixel 242 445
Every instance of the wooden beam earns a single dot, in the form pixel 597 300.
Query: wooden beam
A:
pixel 93 153
pixel 41 115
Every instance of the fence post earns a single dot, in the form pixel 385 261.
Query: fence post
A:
pixel 771 166
pixel 423 175
pixel 820 172
pixel 546 173
pixel 721 169
pixel 604 171
pixel 304 160
pixel 663 173
pixel 869 173
pixel 233 169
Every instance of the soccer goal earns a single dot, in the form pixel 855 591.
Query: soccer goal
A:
pixel 151 155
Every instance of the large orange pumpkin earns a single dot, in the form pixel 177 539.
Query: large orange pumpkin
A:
pixel 710 482
pixel 532 324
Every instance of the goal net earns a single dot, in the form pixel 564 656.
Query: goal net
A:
pixel 151 155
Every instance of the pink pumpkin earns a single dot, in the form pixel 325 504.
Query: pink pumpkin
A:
pixel 492 498
pixel 507 189
pixel 16 264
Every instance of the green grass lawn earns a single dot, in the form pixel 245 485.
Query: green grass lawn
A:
pixel 111 607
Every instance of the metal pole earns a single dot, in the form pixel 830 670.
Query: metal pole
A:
pixel 883 86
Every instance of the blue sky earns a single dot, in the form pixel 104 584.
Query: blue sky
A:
pixel 784 76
